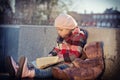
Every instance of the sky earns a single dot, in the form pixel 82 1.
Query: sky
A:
pixel 96 6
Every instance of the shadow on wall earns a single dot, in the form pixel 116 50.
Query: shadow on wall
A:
pixel 9 37
pixel 117 66
pixel 100 76
pixel 113 63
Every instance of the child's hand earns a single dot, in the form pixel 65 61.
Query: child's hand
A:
pixel 50 55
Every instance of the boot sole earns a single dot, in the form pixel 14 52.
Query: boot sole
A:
pixel 10 67
pixel 21 64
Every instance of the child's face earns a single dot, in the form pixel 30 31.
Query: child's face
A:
pixel 63 32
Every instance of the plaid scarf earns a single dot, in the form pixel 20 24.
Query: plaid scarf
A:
pixel 70 46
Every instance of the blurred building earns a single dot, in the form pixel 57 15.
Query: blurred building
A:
pixel 109 18
pixel 30 12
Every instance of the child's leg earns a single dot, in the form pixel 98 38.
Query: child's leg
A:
pixel 43 73
pixel 62 66
pixel 58 72
pixel 25 71
pixel 34 63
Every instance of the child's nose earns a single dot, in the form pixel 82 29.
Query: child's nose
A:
pixel 58 32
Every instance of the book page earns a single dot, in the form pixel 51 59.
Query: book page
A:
pixel 46 61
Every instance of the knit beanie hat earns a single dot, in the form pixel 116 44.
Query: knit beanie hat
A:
pixel 65 21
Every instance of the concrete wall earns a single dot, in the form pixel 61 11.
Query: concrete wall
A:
pixel 38 41
pixel 111 40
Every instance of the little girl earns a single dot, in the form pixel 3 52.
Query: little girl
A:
pixel 70 42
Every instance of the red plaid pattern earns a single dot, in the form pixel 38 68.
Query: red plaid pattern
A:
pixel 72 44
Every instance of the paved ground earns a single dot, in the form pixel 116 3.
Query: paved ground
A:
pixel 7 77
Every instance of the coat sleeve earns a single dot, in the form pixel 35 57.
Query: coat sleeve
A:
pixel 86 63
pixel 94 55
pixel 56 49
pixel 54 52
pixel 90 68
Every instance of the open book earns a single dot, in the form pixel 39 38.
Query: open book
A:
pixel 45 62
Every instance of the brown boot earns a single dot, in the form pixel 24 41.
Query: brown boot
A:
pixel 23 70
pixel 11 66
pixel 59 74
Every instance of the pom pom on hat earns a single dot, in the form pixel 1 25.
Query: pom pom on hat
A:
pixel 65 21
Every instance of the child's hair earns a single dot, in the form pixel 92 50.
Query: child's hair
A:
pixel 65 21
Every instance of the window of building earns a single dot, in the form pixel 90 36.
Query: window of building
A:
pixel 106 16
pixel 115 16
pixel 102 17
pixel 119 16
pixel 103 24
pixel 108 24
pixel 110 16
pixel 98 24
pixel 98 17
pixel 94 16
